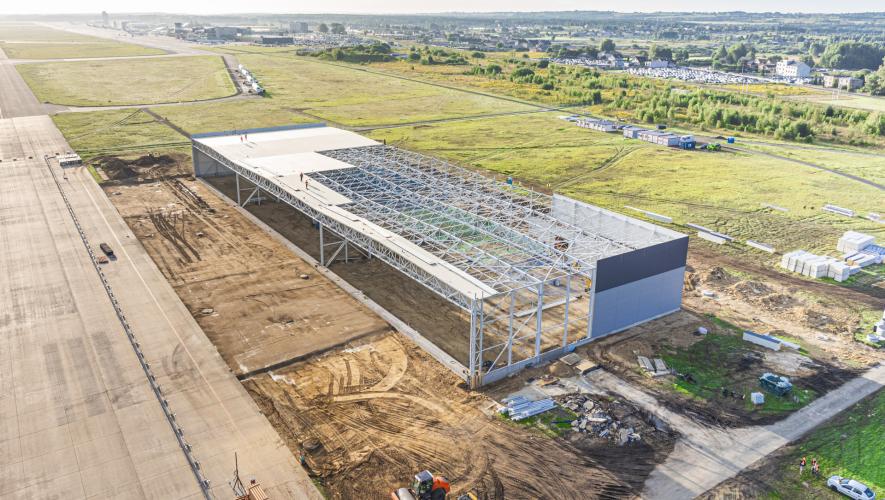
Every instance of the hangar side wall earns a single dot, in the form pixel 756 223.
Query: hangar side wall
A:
pixel 638 286
pixel 636 302
pixel 207 167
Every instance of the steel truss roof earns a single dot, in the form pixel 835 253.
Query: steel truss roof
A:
pixel 502 235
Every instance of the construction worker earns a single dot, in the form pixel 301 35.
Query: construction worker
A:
pixel 802 465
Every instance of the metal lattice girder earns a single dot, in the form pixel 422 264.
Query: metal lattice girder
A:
pixel 503 237
pixel 358 238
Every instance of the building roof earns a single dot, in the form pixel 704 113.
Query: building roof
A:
pixel 476 236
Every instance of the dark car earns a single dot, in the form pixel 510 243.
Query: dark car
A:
pixel 106 249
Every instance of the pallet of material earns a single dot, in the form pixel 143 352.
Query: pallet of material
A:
pixel 519 407
pixel 712 238
pixel 760 246
pixel 762 340
pixel 853 241
pixel 838 210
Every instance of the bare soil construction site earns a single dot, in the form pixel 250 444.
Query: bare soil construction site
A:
pixel 365 406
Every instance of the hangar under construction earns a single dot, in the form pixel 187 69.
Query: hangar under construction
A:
pixel 535 275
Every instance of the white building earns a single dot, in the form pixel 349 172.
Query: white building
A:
pixel 792 69
pixel 657 63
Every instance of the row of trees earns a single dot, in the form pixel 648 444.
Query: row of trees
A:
pixel 655 102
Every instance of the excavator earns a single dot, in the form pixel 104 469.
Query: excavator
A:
pixel 426 486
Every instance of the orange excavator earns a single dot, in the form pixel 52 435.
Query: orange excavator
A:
pixel 426 486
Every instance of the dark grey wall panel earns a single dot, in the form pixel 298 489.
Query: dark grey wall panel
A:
pixel 612 272
pixel 638 301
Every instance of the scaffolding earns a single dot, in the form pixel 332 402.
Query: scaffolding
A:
pixel 534 271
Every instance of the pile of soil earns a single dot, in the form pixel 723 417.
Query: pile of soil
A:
pixel 146 167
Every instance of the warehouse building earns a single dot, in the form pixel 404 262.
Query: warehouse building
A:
pixel 533 275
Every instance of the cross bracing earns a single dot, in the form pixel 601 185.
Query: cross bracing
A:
pixel 501 235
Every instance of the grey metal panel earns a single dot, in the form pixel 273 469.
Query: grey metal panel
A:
pixel 618 270
pixel 204 166
pixel 636 302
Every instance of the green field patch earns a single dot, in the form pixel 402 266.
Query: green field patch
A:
pixel 350 96
pixel 41 50
pixel 718 361
pixel 129 81
pixel 230 115
pixel 553 423
pixel 851 445
pixel 116 132
pixel 30 41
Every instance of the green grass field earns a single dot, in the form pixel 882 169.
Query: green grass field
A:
pixel 848 100
pixel 869 167
pixel 851 445
pixel 129 81
pixel 117 132
pixel 30 41
pixel 720 190
pixel 352 97
pixel 217 116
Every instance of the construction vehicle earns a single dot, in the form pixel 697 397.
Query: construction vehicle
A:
pixel 426 486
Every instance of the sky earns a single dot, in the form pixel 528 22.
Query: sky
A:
pixel 426 6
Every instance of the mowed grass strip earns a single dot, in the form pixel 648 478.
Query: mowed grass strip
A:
pixel 129 81
pixel 115 132
pixel 349 96
pixel 30 41
pixel 230 115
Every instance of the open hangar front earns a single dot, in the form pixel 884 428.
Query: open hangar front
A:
pixel 533 275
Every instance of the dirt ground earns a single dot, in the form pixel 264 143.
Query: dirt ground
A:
pixel 370 416
pixel 370 408
pixel 823 324
pixel 258 303
pixel 824 317
pixel 437 319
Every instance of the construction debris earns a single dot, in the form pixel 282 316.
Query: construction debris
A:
pixel 610 420
pixel 766 341
pixel 838 210
pixel 586 366
pixel 520 407
pixel 760 246
pixel 655 368
pixel 571 359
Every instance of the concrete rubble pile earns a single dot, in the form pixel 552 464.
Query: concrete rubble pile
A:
pixel 594 419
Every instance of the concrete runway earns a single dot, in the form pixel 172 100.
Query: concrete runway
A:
pixel 78 416
pixel 16 98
